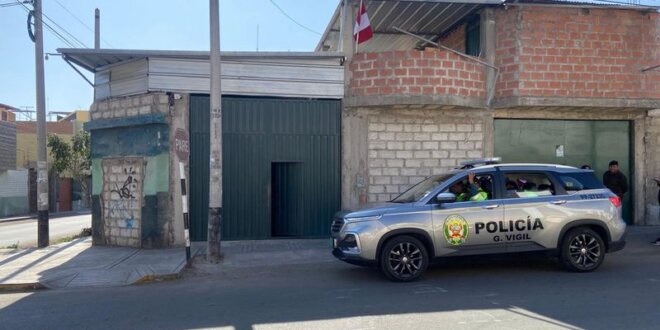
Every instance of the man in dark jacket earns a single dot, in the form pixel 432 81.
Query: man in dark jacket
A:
pixel 615 180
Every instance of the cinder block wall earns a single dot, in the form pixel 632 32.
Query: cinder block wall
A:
pixel 407 146
pixel 132 202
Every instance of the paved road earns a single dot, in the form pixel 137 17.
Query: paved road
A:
pixel 506 293
pixel 25 231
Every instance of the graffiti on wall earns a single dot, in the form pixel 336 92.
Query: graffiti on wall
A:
pixel 122 198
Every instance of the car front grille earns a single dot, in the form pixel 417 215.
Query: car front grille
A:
pixel 337 223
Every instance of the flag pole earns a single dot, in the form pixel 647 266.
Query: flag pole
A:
pixel 357 21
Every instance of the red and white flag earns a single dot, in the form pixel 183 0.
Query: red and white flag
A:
pixel 362 30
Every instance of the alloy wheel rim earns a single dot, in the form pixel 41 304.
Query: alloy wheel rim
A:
pixel 405 260
pixel 585 251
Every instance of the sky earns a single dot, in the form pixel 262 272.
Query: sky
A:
pixel 144 24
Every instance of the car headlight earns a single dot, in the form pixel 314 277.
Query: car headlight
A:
pixel 362 219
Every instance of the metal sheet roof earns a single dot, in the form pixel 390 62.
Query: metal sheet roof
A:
pixel 93 59
pixel 425 18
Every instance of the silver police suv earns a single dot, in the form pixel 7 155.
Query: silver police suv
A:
pixel 485 208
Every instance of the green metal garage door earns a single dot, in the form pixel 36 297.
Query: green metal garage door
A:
pixel 281 166
pixel 573 143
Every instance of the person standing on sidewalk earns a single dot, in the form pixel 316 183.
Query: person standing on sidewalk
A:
pixel 615 180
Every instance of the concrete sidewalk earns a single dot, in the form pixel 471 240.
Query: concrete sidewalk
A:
pixel 79 264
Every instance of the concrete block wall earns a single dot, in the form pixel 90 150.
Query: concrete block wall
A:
pixel 405 146
pixel 652 144
pixel 122 200
pixel 428 72
pixel 133 203
pixel 130 106
pixel 7 146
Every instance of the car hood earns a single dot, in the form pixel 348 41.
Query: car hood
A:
pixel 370 210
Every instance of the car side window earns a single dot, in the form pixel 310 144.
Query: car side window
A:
pixel 526 185
pixel 482 190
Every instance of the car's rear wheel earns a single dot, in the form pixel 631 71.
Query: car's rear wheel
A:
pixel 403 259
pixel 583 250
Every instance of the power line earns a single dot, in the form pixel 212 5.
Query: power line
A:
pixel 51 29
pixel 65 31
pixel 10 4
pixel 81 22
pixel 292 19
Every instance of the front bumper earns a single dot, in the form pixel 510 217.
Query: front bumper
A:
pixel 352 259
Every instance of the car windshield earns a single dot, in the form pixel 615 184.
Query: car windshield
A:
pixel 422 189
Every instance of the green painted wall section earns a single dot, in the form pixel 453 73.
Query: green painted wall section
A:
pixel 157 174
pixel 13 206
pixel 155 181
pixel 97 176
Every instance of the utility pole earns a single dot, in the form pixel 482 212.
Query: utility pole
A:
pixel 215 165
pixel 42 166
pixel 97 28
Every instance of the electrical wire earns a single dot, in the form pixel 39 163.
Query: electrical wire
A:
pixel 292 19
pixel 81 22
pixel 50 28
pixel 9 4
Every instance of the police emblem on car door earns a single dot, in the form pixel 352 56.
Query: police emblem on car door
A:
pixel 455 223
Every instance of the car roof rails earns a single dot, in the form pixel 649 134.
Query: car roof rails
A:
pixel 480 162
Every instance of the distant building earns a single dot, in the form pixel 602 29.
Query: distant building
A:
pixel 7 113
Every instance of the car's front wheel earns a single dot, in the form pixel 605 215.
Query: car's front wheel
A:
pixel 583 250
pixel 403 259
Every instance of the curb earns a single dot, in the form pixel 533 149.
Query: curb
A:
pixel 157 278
pixel 51 216
pixel 22 287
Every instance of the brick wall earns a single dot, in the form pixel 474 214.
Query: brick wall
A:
pixel 414 72
pixel 128 106
pixel 573 52
pixel 455 39
pixel 405 146
pixel 506 51
pixel 7 146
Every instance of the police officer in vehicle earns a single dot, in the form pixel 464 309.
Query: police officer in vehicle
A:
pixel 472 192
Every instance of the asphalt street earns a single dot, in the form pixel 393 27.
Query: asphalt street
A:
pixel 512 292
pixel 24 232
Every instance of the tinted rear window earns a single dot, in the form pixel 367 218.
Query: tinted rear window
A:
pixel 579 181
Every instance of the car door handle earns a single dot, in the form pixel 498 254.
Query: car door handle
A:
pixel 560 202
pixel 490 207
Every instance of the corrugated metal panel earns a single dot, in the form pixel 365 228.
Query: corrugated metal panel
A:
pixel 287 78
pixel 199 166
pixel 129 78
pixel 258 132
pixel 428 19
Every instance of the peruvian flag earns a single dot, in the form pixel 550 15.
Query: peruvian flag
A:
pixel 362 31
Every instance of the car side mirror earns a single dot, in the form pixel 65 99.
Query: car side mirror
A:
pixel 445 198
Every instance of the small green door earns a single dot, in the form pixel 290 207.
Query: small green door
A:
pixel 281 166
pixel 568 142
